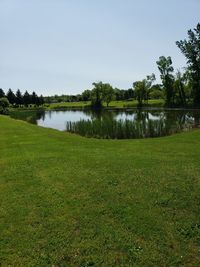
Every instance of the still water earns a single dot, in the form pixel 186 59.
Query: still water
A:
pixel 146 122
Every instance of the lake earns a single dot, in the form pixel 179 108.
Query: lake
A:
pixel 134 123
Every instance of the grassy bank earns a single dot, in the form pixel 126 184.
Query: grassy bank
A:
pixel 113 104
pixel 72 201
pixel 81 104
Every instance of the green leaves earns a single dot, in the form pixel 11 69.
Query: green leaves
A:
pixel 191 50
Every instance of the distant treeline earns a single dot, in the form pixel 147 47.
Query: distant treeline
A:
pixel 156 92
pixel 18 99
pixel 178 89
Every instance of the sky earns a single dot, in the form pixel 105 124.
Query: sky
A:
pixel 63 46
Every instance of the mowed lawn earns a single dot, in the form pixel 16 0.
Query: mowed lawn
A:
pixel 67 200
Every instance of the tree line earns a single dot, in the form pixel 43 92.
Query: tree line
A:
pixel 104 92
pixel 177 89
pixel 18 99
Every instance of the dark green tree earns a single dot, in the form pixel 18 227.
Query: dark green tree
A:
pixel 166 70
pixel 2 94
pixel 86 95
pixel 97 95
pixel 41 100
pixel 191 49
pixel 19 98
pixel 26 99
pixel 11 97
pixel 34 98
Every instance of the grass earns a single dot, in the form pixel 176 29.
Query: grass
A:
pixel 122 129
pixel 64 105
pixel 113 104
pixel 134 103
pixel 66 200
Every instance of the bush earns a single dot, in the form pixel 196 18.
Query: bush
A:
pixel 4 105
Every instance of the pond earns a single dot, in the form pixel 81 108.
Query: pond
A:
pixel 115 124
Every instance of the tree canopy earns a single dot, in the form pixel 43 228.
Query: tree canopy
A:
pixel 191 49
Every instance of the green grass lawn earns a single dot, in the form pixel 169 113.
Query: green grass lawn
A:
pixel 66 200
pixel 113 104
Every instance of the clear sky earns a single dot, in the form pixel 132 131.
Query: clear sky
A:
pixel 63 46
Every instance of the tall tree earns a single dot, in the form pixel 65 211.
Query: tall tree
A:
pixel 140 91
pixel 142 88
pixel 41 100
pixel 34 97
pixel 108 93
pixel 179 86
pixel 2 94
pixel 166 70
pixel 11 97
pixel 19 98
pixel 191 49
pixel 26 98
pixel 97 95
pixel 86 95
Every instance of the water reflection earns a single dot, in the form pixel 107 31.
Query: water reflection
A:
pixel 159 122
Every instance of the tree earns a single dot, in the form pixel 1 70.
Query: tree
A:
pixel 142 88
pixel 97 95
pixel 11 97
pixel 26 99
pixel 128 94
pixel 156 92
pixel 41 100
pixel 4 104
pixel 19 98
pixel 119 94
pixel 86 95
pixel 179 86
pixel 166 70
pixel 191 49
pixel 108 93
pixel 34 97
pixel 2 94
pixel 139 88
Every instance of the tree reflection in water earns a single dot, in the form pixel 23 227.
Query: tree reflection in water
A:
pixel 135 123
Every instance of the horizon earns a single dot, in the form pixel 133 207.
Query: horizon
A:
pixel 60 47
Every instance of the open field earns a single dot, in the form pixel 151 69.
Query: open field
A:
pixel 113 104
pixel 66 200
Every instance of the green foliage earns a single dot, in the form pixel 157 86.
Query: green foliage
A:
pixel 121 129
pixel 4 104
pixel 142 89
pixel 102 92
pixel 19 98
pixel 108 93
pixel 26 98
pixel 11 97
pixel 191 49
pixel 2 94
pixel 156 92
pixel 97 95
pixel 180 89
pixel 166 70
pixel 86 95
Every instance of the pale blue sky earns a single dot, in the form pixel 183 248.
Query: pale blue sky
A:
pixel 62 46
